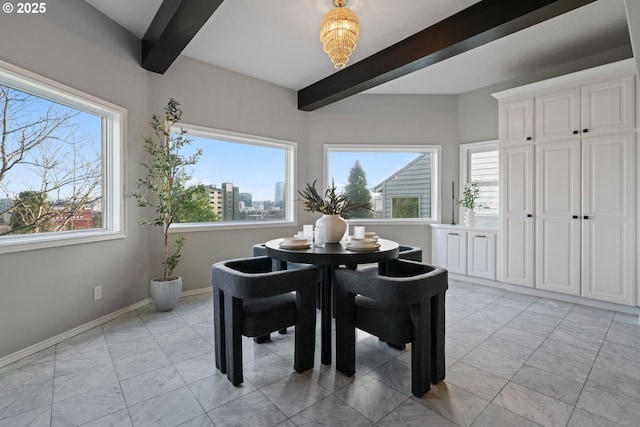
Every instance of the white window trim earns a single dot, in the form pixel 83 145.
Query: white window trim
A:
pixel 113 171
pixel 465 150
pixel 291 160
pixel 435 193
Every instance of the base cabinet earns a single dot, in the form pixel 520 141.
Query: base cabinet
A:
pixel 481 254
pixel 464 250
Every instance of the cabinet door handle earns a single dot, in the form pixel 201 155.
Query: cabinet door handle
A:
pixel 586 217
pixel 529 138
pixel 575 217
pixel 481 237
pixel 453 234
pixel 585 130
pixel 575 132
pixel 529 215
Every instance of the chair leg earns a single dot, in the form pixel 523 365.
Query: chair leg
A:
pixel 233 338
pixel 437 338
pixel 345 333
pixel 218 327
pixel 421 349
pixel 305 331
pixel 262 339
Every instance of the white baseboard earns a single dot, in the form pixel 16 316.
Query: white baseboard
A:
pixel 42 345
pixel 547 294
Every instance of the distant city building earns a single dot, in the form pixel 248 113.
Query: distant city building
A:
pixel 215 200
pixel 279 195
pixel 247 199
pixel 82 220
pixel 230 202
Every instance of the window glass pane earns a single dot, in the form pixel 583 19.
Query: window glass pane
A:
pixel 240 181
pixel 51 168
pixel 484 170
pixel 397 184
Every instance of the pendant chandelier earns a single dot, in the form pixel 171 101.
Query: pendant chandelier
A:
pixel 339 33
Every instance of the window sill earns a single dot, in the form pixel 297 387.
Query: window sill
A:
pixel 10 244
pixel 236 225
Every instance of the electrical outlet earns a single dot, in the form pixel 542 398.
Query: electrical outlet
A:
pixel 97 293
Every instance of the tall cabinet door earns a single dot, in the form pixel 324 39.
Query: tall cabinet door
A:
pixel 517 122
pixel 557 216
pixel 558 114
pixel 516 215
pixel 608 106
pixel 608 208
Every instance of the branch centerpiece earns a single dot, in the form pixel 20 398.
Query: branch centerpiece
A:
pixel 334 206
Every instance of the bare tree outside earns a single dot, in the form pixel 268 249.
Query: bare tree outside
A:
pixel 50 165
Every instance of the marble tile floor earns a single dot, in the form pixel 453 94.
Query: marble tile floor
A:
pixel 512 360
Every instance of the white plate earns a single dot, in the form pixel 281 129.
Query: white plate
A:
pixel 363 248
pixel 303 246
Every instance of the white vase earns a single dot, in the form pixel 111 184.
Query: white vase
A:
pixel 165 293
pixel 469 217
pixel 334 227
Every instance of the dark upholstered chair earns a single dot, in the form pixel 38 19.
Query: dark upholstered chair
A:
pixel 405 305
pixel 412 253
pixel 251 299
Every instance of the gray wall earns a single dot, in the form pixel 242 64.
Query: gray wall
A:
pixel 46 292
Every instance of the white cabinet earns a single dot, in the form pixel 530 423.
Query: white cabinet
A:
pixel 455 251
pixel 557 216
pixel 558 114
pixel 465 250
pixel 516 215
pixel 516 126
pixel 608 106
pixel 568 196
pixel 481 254
pixel 608 210
pixel 595 108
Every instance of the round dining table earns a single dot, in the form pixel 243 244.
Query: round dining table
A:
pixel 328 258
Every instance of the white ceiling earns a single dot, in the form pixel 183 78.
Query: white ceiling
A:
pixel 277 40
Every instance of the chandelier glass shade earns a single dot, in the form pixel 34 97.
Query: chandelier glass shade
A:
pixel 339 33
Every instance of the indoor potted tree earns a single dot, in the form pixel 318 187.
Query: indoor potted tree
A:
pixel 469 202
pixel 334 206
pixel 164 189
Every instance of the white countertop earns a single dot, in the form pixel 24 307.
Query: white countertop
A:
pixel 463 227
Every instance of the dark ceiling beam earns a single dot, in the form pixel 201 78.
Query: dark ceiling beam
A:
pixel 173 27
pixel 482 23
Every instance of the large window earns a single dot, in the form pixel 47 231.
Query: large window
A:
pixel 59 163
pixel 245 180
pixel 479 163
pixel 399 182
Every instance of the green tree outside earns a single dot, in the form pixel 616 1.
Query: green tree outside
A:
pixel 31 213
pixel 357 191
pixel 195 207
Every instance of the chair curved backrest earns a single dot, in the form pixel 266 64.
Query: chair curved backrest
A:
pixel 251 299
pixel 412 253
pixel 406 304
pixel 259 249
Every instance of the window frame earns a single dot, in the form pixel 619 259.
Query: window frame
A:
pixel 465 152
pixel 435 150
pixel 291 157
pixel 114 125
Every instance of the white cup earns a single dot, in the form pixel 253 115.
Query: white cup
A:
pixel 320 238
pixel 307 230
pixel 358 231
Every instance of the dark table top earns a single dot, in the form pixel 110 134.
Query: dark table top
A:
pixel 332 253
